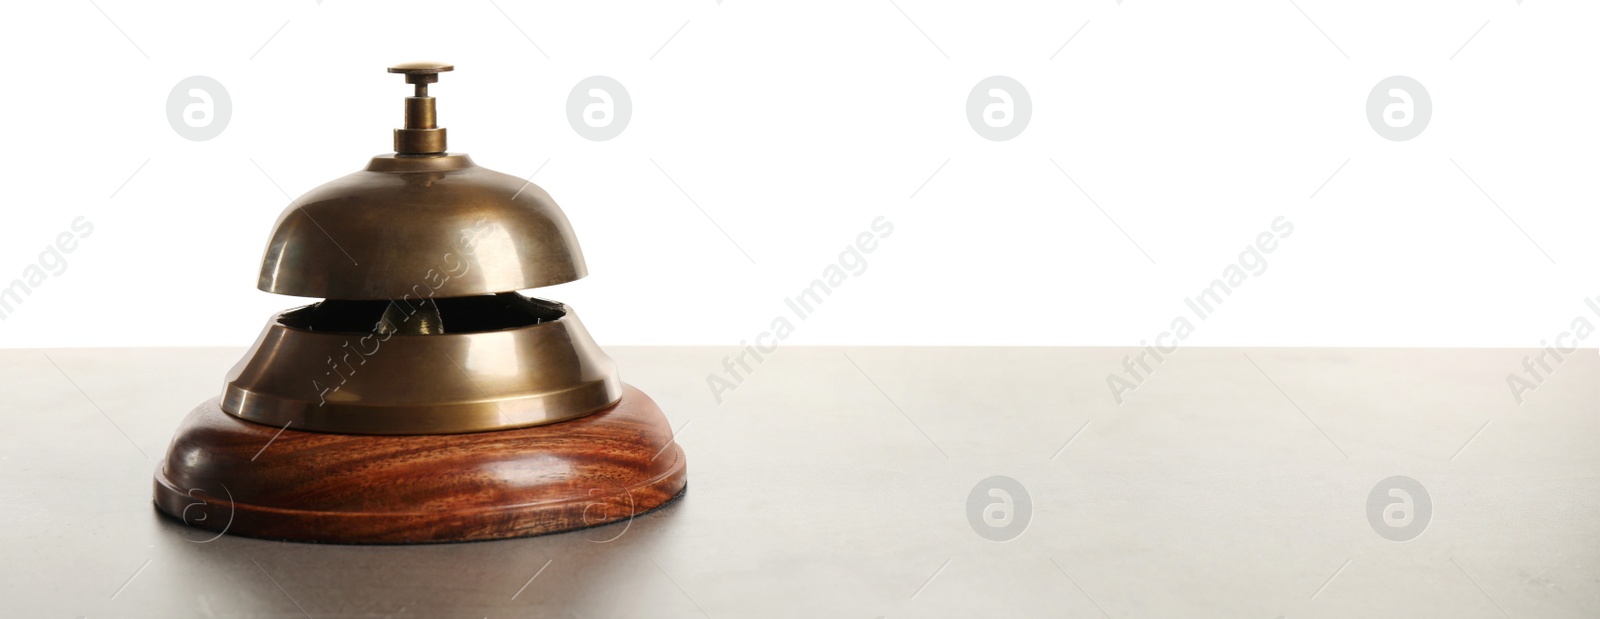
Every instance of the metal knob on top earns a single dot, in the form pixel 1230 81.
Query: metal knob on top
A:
pixel 422 71
pixel 422 134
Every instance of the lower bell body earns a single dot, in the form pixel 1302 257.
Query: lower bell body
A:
pixel 430 438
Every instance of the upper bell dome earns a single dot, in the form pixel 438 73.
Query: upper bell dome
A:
pixel 420 223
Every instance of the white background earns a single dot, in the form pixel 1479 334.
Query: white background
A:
pixel 793 125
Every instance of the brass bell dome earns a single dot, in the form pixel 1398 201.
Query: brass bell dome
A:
pixel 386 231
pixel 420 222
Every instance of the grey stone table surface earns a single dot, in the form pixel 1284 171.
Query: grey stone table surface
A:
pixel 856 482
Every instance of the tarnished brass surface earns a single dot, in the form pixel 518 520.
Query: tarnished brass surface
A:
pixel 355 382
pixel 408 227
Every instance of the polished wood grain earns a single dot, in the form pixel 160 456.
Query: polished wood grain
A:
pixel 225 474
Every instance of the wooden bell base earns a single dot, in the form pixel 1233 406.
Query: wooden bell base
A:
pixel 229 475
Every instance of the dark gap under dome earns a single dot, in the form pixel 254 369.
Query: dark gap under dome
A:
pixel 470 314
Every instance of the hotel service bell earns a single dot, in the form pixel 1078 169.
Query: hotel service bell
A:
pixel 423 399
